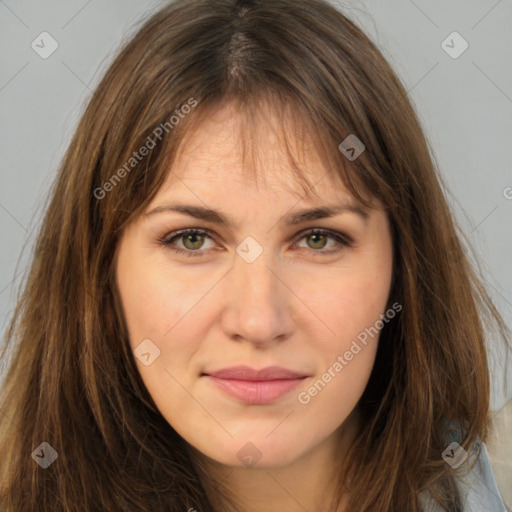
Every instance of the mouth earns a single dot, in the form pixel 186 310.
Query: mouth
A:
pixel 255 387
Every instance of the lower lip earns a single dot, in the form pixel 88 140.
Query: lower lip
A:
pixel 256 392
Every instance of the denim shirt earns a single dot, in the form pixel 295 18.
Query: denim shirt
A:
pixel 478 489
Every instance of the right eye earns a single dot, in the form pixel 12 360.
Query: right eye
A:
pixel 192 241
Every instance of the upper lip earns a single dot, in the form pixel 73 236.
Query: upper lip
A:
pixel 250 374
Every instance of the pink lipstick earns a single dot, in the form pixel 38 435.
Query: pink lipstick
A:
pixel 256 387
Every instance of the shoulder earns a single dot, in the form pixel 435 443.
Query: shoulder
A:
pixel 477 486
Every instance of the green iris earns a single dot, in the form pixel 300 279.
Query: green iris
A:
pixel 196 241
pixel 317 236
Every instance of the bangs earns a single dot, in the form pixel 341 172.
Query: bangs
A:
pixel 302 138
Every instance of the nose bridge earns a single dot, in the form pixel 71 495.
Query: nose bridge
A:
pixel 256 281
pixel 256 307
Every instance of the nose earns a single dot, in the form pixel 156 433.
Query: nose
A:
pixel 257 303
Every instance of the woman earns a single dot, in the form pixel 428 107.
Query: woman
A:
pixel 248 292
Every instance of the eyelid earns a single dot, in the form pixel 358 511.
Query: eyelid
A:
pixel 165 240
pixel 342 239
pixel 337 235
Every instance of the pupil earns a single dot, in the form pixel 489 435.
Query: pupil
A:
pixel 316 236
pixel 190 238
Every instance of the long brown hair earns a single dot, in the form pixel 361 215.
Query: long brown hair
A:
pixel 72 381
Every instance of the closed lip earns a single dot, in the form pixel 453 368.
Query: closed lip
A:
pixel 247 373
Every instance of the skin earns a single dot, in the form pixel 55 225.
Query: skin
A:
pixel 294 306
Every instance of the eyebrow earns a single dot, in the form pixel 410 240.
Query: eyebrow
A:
pixel 291 219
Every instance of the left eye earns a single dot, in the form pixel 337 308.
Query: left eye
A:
pixel 192 241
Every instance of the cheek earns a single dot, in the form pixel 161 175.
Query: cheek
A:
pixel 159 306
pixel 352 310
pixel 349 300
pixel 351 303
pixel 154 301
pixel 163 307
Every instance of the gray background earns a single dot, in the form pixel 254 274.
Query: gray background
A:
pixel 465 105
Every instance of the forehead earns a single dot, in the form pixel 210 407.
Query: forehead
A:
pixel 259 148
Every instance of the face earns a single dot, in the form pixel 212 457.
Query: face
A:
pixel 254 283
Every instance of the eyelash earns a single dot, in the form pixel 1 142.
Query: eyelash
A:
pixel 166 240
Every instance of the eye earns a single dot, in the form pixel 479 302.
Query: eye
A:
pixel 192 241
pixel 317 239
